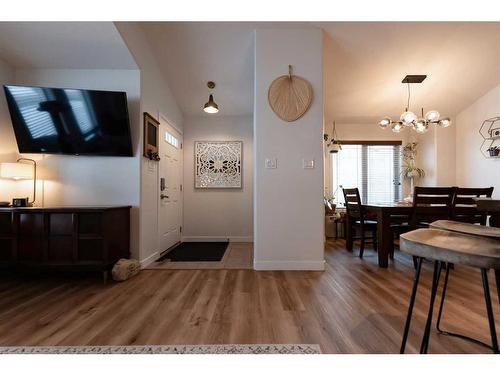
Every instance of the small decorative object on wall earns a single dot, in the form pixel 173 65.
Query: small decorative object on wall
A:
pixel 490 131
pixel 290 96
pixel 218 164
pixel 151 131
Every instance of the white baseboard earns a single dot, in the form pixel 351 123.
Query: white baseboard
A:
pixel 217 238
pixel 150 259
pixel 286 265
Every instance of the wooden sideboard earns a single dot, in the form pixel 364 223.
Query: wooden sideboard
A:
pixel 85 237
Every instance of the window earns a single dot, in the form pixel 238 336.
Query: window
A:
pixel 373 169
pixel 170 139
pixel 28 99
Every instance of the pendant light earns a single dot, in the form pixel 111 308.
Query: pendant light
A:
pixel 410 119
pixel 211 106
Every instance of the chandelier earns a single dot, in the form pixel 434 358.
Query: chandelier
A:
pixel 408 119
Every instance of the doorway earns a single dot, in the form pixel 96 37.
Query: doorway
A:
pixel 170 186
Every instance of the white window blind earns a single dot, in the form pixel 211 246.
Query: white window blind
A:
pixel 28 99
pixel 373 169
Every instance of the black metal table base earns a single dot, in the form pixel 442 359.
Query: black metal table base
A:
pixel 424 347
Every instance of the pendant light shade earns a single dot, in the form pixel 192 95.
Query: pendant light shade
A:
pixel 211 106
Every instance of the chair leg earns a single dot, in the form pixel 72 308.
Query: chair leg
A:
pixel 416 278
pixel 489 310
pixel 362 243
pixel 427 331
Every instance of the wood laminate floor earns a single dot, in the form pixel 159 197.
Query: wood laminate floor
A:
pixel 352 307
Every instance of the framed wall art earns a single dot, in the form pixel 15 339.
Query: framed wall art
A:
pixel 218 164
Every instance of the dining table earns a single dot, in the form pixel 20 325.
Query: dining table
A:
pixel 492 207
pixel 385 214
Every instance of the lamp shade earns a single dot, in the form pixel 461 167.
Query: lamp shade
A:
pixel 211 106
pixel 16 171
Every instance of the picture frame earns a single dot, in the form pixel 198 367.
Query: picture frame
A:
pixel 218 164
pixel 151 137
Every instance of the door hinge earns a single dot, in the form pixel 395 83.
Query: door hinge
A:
pixel 181 187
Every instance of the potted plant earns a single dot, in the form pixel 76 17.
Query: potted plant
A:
pixel 330 205
pixel 332 143
pixel 410 171
pixel 494 151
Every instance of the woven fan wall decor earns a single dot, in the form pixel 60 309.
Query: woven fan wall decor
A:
pixel 290 96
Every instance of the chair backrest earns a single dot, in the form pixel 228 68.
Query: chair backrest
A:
pixel 464 207
pixel 353 205
pixel 431 204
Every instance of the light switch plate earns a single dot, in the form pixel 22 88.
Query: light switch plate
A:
pixel 271 163
pixel 308 163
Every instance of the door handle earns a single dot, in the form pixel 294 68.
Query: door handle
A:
pixel 163 196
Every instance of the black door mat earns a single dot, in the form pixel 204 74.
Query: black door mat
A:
pixel 196 252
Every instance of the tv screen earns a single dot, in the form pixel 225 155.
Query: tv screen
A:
pixel 69 121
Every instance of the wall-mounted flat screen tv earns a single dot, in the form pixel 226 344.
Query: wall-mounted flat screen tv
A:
pixel 69 121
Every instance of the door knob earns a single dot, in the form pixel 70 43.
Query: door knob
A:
pixel 163 196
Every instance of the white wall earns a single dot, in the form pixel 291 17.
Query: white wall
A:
pixel 288 201
pixel 85 180
pixel 215 214
pixel 472 168
pixel 8 146
pixel 156 99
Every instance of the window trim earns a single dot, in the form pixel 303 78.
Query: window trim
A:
pixel 372 143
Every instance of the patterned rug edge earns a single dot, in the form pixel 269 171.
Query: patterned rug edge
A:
pixel 167 349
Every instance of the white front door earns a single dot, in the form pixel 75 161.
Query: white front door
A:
pixel 170 189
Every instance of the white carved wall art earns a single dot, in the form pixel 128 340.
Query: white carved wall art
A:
pixel 218 164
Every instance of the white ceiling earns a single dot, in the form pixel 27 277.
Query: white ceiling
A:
pixel 192 53
pixel 363 62
pixel 64 45
pixel 364 65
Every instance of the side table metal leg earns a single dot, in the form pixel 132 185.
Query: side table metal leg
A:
pixel 435 284
pixel 489 310
pixel 416 278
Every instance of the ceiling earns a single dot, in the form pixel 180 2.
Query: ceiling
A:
pixel 193 53
pixel 364 64
pixel 64 45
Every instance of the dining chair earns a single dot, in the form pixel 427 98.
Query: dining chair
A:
pixel 431 204
pixel 356 219
pixel 464 207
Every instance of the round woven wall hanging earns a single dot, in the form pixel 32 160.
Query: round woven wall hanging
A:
pixel 290 96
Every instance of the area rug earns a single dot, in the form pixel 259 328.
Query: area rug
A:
pixel 166 349
pixel 196 252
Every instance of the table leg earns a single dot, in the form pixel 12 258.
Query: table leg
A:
pixel 384 238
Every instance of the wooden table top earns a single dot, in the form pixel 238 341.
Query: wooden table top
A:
pixel 472 229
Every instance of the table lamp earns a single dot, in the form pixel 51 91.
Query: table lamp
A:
pixel 20 171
